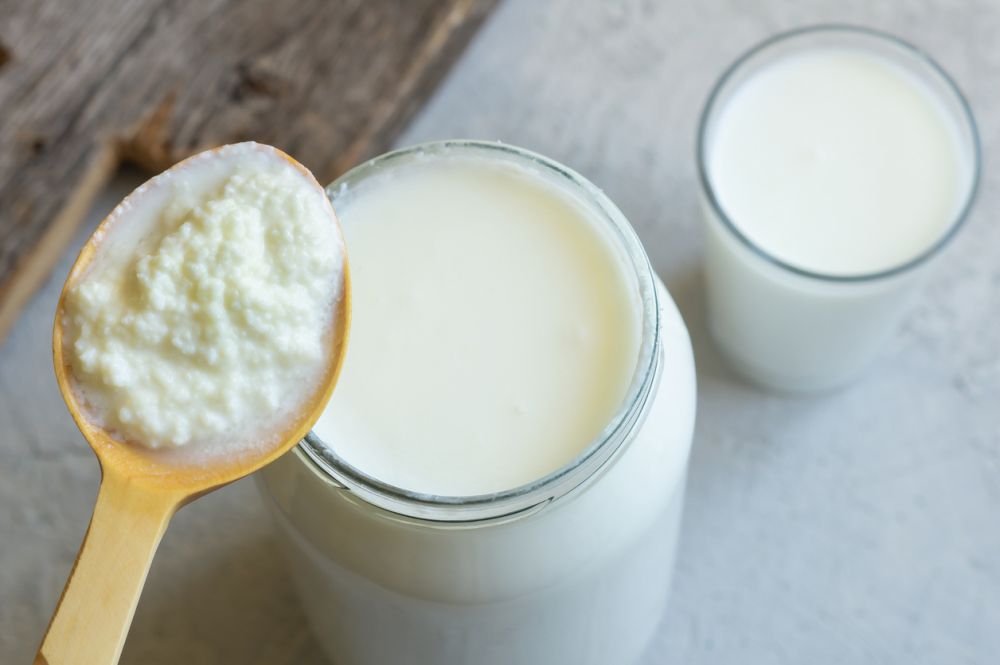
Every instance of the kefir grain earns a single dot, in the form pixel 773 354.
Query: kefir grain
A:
pixel 205 315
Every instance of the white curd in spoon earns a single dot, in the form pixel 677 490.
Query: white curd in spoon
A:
pixel 205 314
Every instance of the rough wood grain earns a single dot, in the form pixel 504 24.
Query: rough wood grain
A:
pixel 84 85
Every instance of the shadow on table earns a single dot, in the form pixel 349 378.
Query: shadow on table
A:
pixel 687 288
pixel 237 605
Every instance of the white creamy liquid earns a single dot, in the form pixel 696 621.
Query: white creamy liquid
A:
pixel 837 161
pixel 494 331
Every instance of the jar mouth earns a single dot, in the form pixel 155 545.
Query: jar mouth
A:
pixel 615 435
pixel 873 40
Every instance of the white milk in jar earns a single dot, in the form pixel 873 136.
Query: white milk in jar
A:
pixel 499 476
pixel 834 160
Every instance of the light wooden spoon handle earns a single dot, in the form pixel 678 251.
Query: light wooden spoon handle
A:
pixel 93 616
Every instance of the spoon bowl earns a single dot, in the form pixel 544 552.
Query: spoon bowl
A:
pixel 141 488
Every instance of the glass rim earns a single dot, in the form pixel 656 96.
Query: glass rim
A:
pixel 920 56
pixel 592 458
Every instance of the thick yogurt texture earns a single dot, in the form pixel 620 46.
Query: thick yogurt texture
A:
pixel 205 316
pixel 495 330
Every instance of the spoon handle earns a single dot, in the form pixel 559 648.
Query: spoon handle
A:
pixel 93 616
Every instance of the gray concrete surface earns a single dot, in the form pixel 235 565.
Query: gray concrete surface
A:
pixel 859 527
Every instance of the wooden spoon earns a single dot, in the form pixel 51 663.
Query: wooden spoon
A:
pixel 140 491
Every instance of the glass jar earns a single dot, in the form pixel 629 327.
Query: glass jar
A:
pixel 799 330
pixel 572 568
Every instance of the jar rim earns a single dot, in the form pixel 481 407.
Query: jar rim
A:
pixel 525 498
pixel 964 120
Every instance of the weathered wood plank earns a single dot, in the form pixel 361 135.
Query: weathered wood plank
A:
pixel 86 85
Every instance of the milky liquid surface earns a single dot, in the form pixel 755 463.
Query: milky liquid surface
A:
pixel 495 328
pixel 837 161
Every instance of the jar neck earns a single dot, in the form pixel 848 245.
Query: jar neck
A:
pixel 486 510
